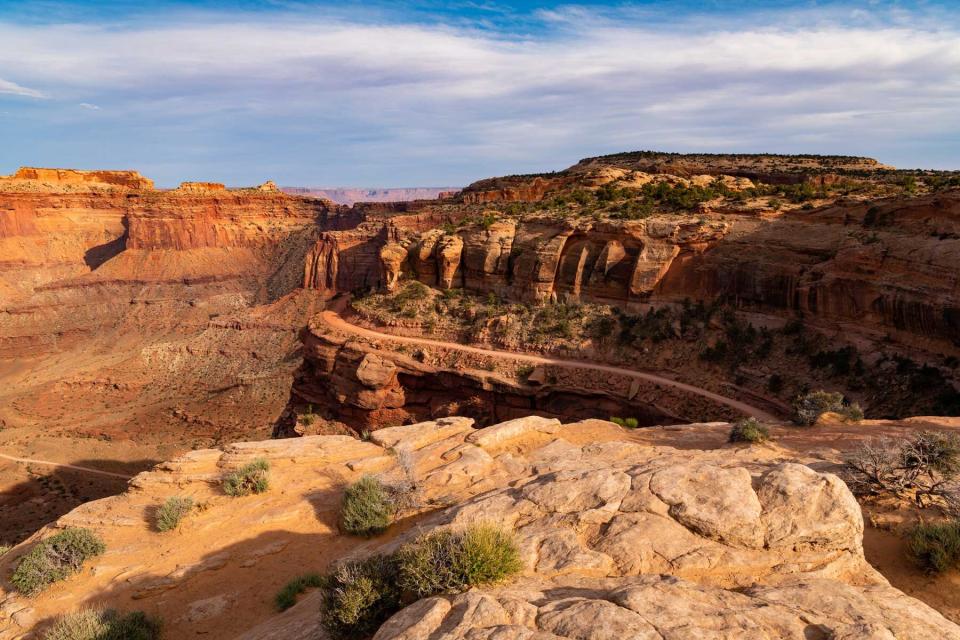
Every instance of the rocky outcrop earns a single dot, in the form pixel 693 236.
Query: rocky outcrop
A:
pixel 510 190
pixel 617 540
pixel 664 607
pixel 540 259
pixel 431 381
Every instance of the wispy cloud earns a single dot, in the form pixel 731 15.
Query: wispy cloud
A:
pixel 418 94
pixel 12 88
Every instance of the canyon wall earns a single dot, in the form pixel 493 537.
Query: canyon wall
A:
pixel 157 314
pixel 834 265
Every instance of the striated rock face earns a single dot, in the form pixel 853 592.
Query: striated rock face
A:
pixel 113 292
pixel 500 190
pixel 895 278
pixel 540 259
pixel 617 540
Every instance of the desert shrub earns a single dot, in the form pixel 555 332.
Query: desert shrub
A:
pixel 359 596
pixel 618 421
pixel 935 547
pixel 367 508
pixel 56 558
pixel 4 548
pixel 524 371
pixel 631 423
pixel 486 554
pixel 453 561
pixel 808 407
pixel 98 624
pixel 750 430
pixel 250 478
pixel 924 467
pixel 172 511
pixel 287 596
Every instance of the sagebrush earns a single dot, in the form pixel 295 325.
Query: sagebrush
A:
pixel 100 624
pixel 55 559
pixel 250 478
pixel 172 511
pixel 367 508
pixel 808 407
pixel 936 547
pixel 750 430
pixel 360 595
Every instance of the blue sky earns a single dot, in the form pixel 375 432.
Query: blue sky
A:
pixel 443 93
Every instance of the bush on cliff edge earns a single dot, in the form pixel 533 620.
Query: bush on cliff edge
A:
pixel 56 558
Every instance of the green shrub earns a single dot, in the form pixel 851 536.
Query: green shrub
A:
pixel 367 509
pixel 56 558
pixel 359 596
pixel 749 430
pixel 618 421
pixel 631 423
pixel 936 547
pixel 809 407
pixel 172 511
pixel 250 478
pixel 451 562
pixel 97 624
pixel 287 596
pixel 4 548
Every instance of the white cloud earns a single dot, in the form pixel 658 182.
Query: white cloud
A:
pixel 594 85
pixel 12 88
pixel 87 105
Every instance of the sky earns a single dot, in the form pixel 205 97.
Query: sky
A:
pixel 426 93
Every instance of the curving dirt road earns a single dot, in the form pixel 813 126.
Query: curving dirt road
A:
pixel 334 319
pixel 63 465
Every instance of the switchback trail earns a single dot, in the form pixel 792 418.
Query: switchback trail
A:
pixel 63 465
pixel 334 319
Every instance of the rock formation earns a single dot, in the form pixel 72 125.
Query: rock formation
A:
pixel 618 539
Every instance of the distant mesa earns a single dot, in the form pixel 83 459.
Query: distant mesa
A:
pixel 201 186
pixel 125 179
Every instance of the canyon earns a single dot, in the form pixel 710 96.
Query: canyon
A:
pixel 208 326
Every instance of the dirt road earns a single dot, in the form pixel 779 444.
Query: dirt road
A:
pixel 62 465
pixel 332 318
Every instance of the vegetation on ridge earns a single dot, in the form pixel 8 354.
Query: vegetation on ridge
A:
pixel 100 624
pixel 360 595
pixel 750 430
pixel 56 558
pixel 367 509
pixel 172 511
pixel 250 478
